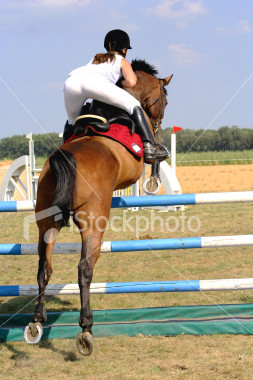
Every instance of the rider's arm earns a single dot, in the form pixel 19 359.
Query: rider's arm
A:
pixel 130 78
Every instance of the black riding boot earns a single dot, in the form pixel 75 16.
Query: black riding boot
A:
pixel 149 147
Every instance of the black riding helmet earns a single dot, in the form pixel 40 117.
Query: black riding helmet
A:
pixel 116 40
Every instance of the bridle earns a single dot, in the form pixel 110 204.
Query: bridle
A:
pixel 147 105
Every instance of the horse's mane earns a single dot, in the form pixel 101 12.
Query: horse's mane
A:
pixel 142 65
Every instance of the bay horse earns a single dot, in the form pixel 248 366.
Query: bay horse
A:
pixel 80 176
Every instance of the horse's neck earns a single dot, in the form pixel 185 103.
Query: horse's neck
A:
pixel 145 84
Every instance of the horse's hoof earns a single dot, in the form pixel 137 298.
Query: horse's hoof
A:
pixel 33 333
pixel 84 343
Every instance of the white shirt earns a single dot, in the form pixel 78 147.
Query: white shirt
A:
pixel 109 70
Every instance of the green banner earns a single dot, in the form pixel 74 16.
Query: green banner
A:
pixel 168 321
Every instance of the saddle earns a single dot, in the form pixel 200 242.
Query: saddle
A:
pixel 99 116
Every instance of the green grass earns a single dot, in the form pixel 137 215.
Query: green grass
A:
pixel 182 357
pixel 231 219
pixel 201 158
pixel 215 158
pixel 40 161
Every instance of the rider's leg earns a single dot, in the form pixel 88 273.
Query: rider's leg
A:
pixel 149 146
pixel 145 133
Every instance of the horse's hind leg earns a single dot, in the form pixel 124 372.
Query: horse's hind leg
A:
pixel 91 245
pixel 91 227
pixel 44 274
pixel 33 331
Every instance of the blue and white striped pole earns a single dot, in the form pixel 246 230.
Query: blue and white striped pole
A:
pixel 15 206
pixel 150 201
pixel 182 199
pixel 131 287
pixel 136 245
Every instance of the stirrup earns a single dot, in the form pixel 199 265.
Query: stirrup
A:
pixel 163 153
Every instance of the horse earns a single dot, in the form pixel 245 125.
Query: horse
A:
pixel 79 179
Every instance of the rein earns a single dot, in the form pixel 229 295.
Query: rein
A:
pixel 158 121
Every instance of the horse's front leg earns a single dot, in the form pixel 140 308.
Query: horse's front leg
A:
pixel 91 246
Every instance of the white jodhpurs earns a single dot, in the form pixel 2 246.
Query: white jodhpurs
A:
pixel 80 87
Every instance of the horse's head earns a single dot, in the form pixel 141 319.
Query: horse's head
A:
pixel 155 103
pixel 151 93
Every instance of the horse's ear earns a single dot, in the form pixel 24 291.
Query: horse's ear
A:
pixel 166 81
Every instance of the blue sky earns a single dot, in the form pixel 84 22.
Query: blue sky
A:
pixel 206 44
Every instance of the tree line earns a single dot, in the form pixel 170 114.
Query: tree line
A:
pixel 16 146
pixel 223 139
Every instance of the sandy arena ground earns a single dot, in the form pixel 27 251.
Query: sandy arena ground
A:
pixel 196 179
pixel 203 179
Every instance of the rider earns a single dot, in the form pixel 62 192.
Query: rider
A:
pixel 97 80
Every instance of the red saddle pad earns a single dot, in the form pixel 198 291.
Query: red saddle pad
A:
pixel 119 133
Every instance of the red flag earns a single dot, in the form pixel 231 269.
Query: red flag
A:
pixel 176 129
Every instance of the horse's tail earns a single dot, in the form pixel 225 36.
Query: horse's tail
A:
pixel 63 167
